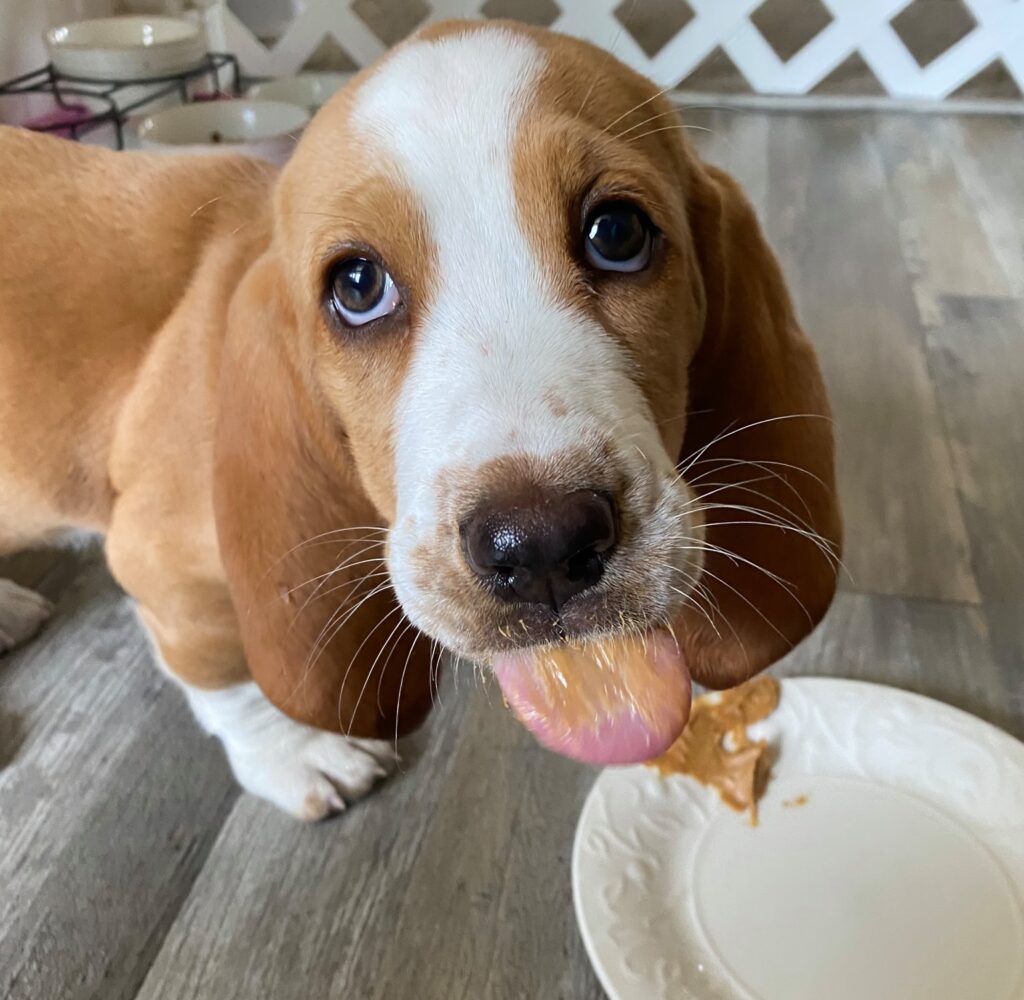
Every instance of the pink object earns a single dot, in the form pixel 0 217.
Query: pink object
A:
pixel 621 735
pixel 72 114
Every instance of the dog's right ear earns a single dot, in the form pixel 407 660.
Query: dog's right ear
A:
pixel 758 450
pixel 303 546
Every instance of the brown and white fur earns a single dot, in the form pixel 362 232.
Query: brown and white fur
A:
pixel 282 496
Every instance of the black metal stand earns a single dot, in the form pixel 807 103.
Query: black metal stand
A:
pixel 62 87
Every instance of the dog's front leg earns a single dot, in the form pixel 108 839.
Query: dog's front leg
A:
pixel 307 772
pixel 191 622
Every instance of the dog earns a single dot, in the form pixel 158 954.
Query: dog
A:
pixel 494 362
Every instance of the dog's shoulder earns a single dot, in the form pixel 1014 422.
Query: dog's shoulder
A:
pixel 117 271
pixel 56 187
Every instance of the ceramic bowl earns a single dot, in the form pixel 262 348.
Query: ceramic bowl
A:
pixel 310 90
pixel 264 129
pixel 125 48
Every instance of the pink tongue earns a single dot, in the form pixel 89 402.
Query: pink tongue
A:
pixel 613 702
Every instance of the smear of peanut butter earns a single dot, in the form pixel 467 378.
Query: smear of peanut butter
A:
pixel 592 680
pixel 739 771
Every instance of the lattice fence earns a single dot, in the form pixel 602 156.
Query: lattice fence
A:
pixel 670 40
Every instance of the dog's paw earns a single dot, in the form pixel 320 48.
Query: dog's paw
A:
pixel 310 774
pixel 22 614
pixel 307 772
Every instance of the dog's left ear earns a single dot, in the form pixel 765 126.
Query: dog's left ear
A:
pixel 758 450
pixel 329 647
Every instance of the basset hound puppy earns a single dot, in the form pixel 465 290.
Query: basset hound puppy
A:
pixel 494 363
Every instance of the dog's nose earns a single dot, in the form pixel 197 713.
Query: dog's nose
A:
pixel 544 550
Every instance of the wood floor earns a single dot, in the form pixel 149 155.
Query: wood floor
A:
pixel 131 867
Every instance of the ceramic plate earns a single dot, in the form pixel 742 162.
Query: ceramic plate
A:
pixel 888 862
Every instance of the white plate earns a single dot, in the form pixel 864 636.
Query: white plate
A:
pixel 902 877
pixel 125 48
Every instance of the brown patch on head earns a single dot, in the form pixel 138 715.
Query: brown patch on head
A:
pixel 583 144
pixel 358 207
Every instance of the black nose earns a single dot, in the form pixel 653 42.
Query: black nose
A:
pixel 542 550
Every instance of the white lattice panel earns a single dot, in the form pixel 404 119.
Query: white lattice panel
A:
pixel 856 26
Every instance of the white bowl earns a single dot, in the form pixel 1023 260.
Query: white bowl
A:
pixel 311 90
pixel 264 129
pixel 125 48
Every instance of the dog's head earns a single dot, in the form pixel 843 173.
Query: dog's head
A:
pixel 507 313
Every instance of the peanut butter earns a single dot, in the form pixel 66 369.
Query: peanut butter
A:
pixel 591 680
pixel 716 750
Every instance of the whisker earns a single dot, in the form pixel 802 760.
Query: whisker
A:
pixel 347 564
pixel 688 599
pixel 350 587
pixel 319 592
pixel 774 577
pixel 762 462
pixel 735 558
pixel 437 670
pixel 769 518
pixel 636 107
pixel 387 644
pixel 769 474
pixel 668 128
pixel 312 540
pixel 336 623
pixel 322 578
pixel 746 601
pixel 731 431
pixel 696 585
pixel 772 517
pixel 822 545
pixel 646 121
pixel 383 670
pixel 331 628
pixel 401 681
pixel 351 664
pixel 735 634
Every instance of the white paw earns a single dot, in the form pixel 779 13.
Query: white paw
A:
pixel 307 772
pixel 314 774
pixel 22 613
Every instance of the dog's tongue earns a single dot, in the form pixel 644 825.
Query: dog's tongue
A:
pixel 619 701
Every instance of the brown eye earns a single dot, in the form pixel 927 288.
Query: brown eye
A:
pixel 618 237
pixel 361 290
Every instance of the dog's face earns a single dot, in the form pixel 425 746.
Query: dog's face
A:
pixel 496 276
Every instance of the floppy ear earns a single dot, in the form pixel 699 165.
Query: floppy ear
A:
pixel 758 450
pixel 328 646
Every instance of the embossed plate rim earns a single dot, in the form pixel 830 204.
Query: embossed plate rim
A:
pixel 993 811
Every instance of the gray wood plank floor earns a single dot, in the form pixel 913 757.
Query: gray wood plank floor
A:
pixel 131 867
